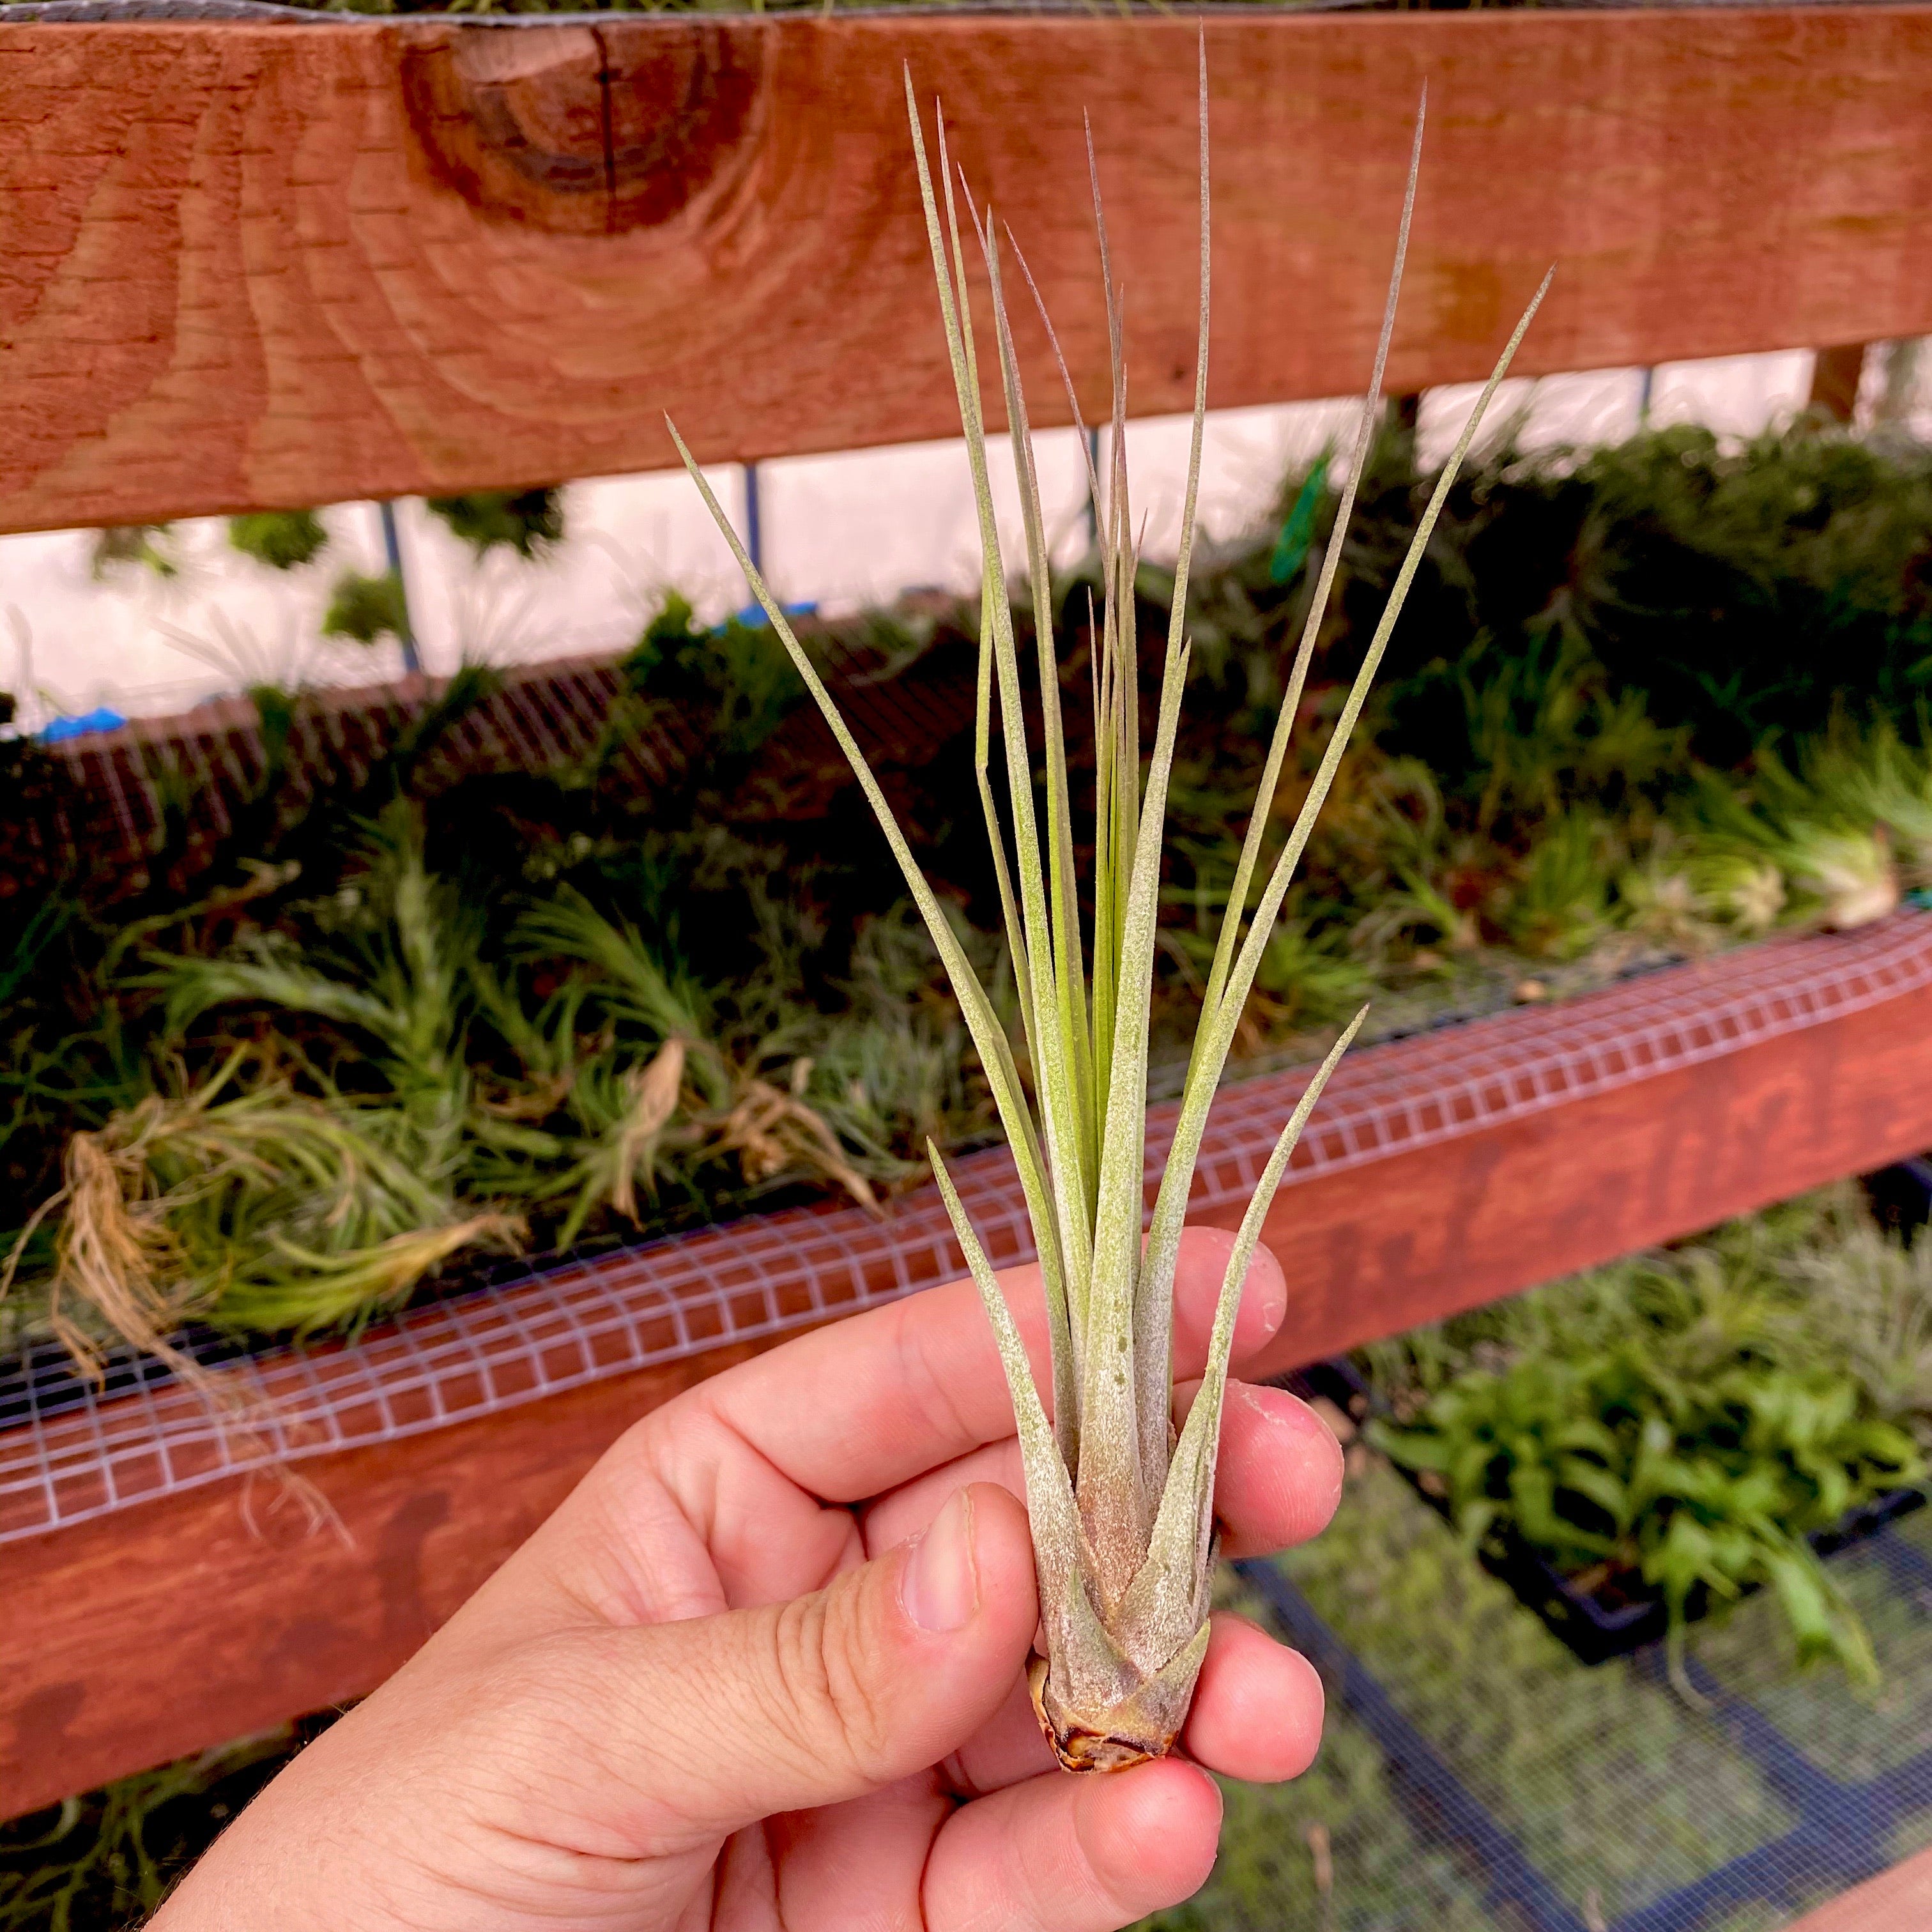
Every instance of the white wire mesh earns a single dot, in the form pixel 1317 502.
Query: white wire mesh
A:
pixel 175 785
pixel 210 761
pixel 71 1453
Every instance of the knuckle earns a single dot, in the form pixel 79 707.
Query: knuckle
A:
pixel 829 1700
pixel 544 1690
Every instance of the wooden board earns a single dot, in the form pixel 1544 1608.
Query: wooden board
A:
pixel 135 1639
pixel 245 265
pixel 1376 1249
pixel 1898 1900
pixel 138 1637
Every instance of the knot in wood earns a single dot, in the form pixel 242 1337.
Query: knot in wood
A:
pixel 580 130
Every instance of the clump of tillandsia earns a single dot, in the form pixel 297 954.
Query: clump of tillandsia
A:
pixel 1121 1507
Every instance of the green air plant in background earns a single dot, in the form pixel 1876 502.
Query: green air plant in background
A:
pixel 282 539
pixel 365 610
pixel 1121 1509
pixel 530 522
pixel 319 1103
pixel 279 1211
pixel 138 546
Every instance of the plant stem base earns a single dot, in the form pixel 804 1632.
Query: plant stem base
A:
pixel 1079 1749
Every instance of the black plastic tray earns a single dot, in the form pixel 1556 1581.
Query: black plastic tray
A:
pixel 1901 1195
pixel 1595 1628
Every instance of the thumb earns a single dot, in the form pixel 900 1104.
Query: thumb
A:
pixel 712 1722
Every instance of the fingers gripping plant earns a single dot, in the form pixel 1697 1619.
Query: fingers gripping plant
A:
pixel 1121 1507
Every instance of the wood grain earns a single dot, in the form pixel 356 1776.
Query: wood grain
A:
pixel 246 266
pixel 138 1637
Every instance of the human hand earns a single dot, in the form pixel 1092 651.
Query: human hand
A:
pixel 765 1667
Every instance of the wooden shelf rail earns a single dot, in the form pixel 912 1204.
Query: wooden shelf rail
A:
pixel 1441 1172
pixel 1898 1900
pixel 312 263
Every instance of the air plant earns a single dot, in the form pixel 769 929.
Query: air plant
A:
pixel 1820 828
pixel 1562 906
pixel 1737 890
pixel 530 522
pixel 1121 1507
pixel 1850 872
pixel 145 546
pixel 282 539
pixel 365 610
pixel 261 1209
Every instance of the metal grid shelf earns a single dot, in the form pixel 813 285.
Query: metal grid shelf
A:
pixel 579 1321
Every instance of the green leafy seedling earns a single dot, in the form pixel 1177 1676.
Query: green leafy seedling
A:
pixel 1298 534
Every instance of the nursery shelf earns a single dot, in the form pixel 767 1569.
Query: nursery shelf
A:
pixel 162 1588
pixel 314 259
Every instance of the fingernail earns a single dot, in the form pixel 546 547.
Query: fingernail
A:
pixel 1271 1294
pixel 940 1588
pixel 1263 1294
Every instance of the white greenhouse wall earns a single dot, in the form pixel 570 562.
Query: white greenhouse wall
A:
pixel 839 531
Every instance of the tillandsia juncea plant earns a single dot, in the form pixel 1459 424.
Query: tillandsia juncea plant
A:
pixel 1121 1506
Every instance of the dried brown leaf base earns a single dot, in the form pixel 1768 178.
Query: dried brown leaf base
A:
pixel 1143 1724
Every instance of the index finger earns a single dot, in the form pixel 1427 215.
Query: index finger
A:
pixel 858 1408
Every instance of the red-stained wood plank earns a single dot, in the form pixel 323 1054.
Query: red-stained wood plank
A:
pixel 137 1638
pixel 1898 1900
pixel 140 1635
pixel 245 265
pixel 1375 1249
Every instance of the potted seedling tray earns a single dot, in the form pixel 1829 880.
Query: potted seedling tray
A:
pixel 1597 1614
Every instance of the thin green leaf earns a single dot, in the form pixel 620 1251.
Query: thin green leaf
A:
pixel 1216 1034
pixel 1318 608
pixel 1183 1529
pixel 988 1037
pixel 1152 1315
pixel 1043 1453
